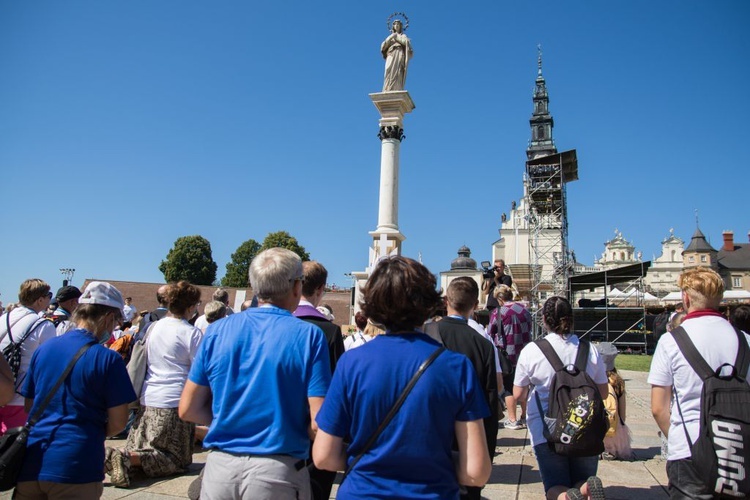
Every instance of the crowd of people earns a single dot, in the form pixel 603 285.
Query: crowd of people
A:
pixel 284 401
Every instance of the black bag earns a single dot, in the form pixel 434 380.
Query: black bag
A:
pixel 12 453
pixel 721 450
pixel 12 351
pixel 505 365
pixel 13 442
pixel 576 422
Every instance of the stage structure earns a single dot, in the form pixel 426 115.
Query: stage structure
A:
pixel 619 316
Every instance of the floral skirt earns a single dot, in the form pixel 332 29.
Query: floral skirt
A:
pixel 163 441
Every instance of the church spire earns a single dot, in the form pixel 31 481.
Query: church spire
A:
pixel 541 142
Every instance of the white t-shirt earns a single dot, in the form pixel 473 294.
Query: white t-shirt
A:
pixel 716 340
pixel 128 312
pixel 172 346
pixel 356 339
pixel 21 318
pixel 534 369
pixel 201 323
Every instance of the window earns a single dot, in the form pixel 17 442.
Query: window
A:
pixel 691 259
pixel 736 282
pixel 703 258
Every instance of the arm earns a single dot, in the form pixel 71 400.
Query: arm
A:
pixel 622 406
pixel 117 419
pixel 315 404
pixel 7 389
pixel 474 467
pixel 328 452
pixel 195 404
pixel 603 390
pixel 520 393
pixel 661 397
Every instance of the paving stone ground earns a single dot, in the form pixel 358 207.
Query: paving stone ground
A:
pixel 515 474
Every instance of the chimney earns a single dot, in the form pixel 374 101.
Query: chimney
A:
pixel 728 241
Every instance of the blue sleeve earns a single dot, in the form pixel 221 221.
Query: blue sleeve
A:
pixel 320 372
pixel 475 406
pixel 198 373
pixel 119 388
pixel 334 417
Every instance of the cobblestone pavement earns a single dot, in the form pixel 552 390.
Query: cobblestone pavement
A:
pixel 515 474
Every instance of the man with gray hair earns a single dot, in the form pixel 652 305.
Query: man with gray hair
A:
pixel 219 295
pixel 253 373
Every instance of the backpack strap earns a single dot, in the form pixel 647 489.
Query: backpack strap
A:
pixel 582 357
pixel 743 355
pixel 550 354
pixel 691 353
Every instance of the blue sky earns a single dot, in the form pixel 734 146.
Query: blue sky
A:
pixel 125 125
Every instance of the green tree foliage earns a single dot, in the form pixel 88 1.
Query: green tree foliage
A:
pixel 238 267
pixel 282 239
pixel 190 259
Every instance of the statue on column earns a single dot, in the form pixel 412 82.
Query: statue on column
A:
pixel 397 52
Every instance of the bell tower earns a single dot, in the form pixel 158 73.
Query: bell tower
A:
pixel 541 142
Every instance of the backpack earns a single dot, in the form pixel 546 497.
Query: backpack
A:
pixel 123 346
pixel 138 364
pixel 575 423
pixel 720 452
pixel 12 351
pixel 610 406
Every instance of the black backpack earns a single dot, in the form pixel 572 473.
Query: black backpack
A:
pixel 576 421
pixel 721 450
pixel 12 351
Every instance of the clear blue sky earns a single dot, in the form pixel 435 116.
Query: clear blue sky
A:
pixel 127 124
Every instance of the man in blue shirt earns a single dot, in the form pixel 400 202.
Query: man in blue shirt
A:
pixel 253 373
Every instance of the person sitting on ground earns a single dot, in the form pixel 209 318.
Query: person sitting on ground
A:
pixel 65 449
pixel 159 442
pixel 564 477
pixel 412 457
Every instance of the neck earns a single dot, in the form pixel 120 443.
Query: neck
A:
pixel 453 312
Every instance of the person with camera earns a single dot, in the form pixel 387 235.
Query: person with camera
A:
pixel 493 277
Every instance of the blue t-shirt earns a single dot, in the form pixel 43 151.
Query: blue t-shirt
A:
pixel 67 443
pixel 412 457
pixel 262 365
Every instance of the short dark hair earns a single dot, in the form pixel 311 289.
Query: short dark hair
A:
pixel 360 320
pixel 558 315
pixel 400 294
pixel 181 296
pixel 315 276
pixel 462 294
pixel 740 317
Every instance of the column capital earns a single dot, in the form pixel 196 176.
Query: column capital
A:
pixel 391 132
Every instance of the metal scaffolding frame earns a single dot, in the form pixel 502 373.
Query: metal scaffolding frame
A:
pixel 551 263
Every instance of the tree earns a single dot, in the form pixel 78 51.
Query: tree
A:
pixel 282 239
pixel 238 267
pixel 190 259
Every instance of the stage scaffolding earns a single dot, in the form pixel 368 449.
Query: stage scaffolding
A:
pixel 546 180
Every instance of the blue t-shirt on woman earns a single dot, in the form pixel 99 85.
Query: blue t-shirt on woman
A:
pixel 67 443
pixel 412 457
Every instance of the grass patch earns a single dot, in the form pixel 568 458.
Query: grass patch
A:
pixel 635 362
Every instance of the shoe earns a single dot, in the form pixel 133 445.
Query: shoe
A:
pixel 575 494
pixel 596 490
pixel 117 465
pixel 511 424
pixel 522 422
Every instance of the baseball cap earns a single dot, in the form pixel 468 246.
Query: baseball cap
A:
pixel 102 293
pixel 608 353
pixel 67 293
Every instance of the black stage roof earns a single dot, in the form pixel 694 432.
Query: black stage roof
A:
pixel 608 278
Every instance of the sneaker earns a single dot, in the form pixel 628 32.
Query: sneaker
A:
pixel 511 424
pixel 117 465
pixel 522 422
pixel 595 488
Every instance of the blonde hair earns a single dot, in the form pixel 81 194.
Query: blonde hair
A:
pixel 704 286
pixel 32 290
pixel 503 292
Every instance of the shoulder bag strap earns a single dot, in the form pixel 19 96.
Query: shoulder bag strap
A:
pixel 394 409
pixel 33 419
pixel 691 354
pixel 582 357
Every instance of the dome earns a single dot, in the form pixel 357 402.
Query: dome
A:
pixel 464 260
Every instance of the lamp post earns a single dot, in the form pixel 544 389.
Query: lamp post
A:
pixel 68 273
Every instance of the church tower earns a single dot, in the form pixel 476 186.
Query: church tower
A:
pixel 541 142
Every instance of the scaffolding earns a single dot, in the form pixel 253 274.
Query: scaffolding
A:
pixel 551 263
